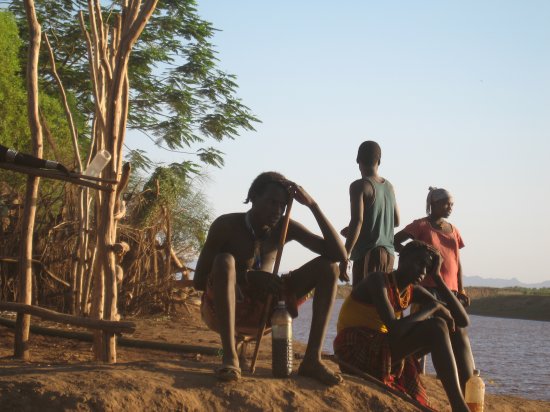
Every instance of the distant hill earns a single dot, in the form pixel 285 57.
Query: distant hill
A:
pixel 501 283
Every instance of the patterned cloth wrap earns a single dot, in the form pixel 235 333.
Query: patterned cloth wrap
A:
pixel 369 350
pixel 249 306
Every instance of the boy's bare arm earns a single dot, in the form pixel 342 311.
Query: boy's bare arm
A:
pixel 356 193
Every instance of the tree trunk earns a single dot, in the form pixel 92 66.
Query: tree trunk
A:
pixel 109 71
pixel 23 321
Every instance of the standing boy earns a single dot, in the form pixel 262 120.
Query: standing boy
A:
pixel 374 214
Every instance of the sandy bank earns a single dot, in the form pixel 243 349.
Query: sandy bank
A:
pixel 62 377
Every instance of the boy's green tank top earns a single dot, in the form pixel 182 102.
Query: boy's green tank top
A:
pixel 378 221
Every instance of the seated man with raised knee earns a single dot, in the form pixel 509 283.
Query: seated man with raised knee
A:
pixel 375 338
pixel 235 264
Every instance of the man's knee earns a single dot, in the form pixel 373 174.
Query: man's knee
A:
pixel 328 268
pixel 437 326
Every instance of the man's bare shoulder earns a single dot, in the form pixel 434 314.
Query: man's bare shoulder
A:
pixel 229 220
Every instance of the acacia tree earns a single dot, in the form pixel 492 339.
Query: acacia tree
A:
pixel 179 97
pixel 166 85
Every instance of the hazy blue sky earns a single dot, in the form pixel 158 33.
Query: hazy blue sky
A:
pixel 456 93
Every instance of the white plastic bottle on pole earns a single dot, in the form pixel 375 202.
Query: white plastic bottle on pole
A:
pixel 98 163
pixel 475 392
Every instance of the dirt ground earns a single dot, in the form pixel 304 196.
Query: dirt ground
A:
pixel 61 376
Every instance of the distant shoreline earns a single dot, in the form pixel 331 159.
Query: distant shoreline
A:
pixel 513 307
pixel 512 303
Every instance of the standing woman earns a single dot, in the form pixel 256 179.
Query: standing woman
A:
pixel 436 231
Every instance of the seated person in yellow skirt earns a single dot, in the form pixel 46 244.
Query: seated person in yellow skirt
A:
pixel 374 336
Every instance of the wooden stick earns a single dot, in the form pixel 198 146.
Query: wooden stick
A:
pixel 263 323
pixel 107 325
pixel 122 341
pixel 369 378
pixel 54 174
pixel 92 178
pixel 37 262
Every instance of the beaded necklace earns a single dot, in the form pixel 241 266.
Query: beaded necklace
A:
pixel 257 264
pixel 402 301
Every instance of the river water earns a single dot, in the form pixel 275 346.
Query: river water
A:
pixel 512 354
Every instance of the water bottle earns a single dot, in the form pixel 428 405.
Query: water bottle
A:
pixel 475 392
pixel 98 163
pixel 281 341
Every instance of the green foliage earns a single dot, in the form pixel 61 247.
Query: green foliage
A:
pixel 178 96
pixel 170 190
pixel 527 291
pixel 14 126
pixel 13 121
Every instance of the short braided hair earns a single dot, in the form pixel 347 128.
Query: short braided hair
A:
pixel 413 247
pixel 258 186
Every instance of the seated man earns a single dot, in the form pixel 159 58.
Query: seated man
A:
pixel 234 270
pixel 374 337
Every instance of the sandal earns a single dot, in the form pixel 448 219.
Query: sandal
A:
pixel 228 373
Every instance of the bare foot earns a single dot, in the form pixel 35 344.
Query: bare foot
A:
pixel 318 371
pixel 228 373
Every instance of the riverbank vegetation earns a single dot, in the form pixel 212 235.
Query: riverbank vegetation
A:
pixel 516 302
pixel 513 302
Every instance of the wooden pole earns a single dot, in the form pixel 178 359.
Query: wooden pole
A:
pixel 100 324
pixel 21 349
pixel 54 174
pixel 265 315
pixel 109 64
pixel 128 342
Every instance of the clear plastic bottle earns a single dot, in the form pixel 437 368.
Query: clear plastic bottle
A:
pixel 98 163
pixel 475 392
pixel 281 341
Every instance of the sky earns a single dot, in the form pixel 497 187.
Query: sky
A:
pixel 457 94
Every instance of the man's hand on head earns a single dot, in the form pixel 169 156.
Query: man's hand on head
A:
pixel 300 194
